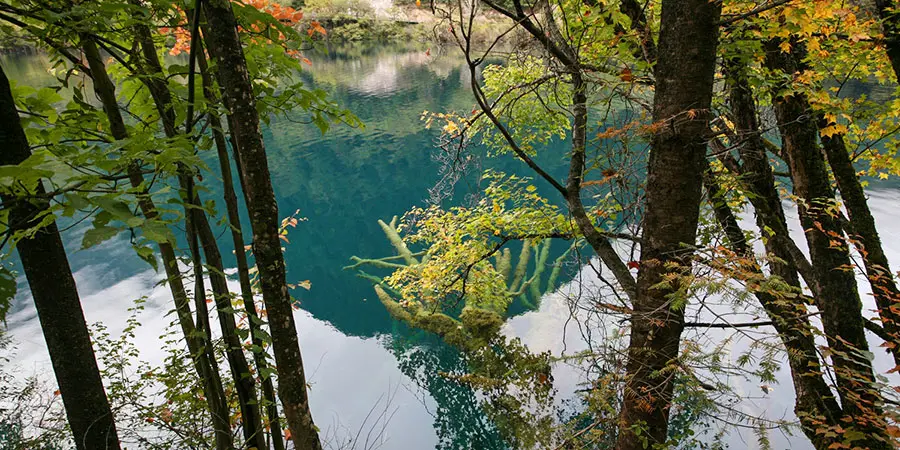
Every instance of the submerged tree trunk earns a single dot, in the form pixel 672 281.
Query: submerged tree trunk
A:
pixel 56 299
pixel 199 346
pixel 835 284
pixel 684 83
pixel 237 92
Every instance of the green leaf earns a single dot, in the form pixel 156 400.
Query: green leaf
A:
pixel 157 231
pixel 97 235
pixel 266 372
pixel 147 254
pixel 119 210
pixel 8 289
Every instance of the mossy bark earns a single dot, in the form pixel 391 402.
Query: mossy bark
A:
pixel 684 84
pixel 56 298
pixel 197 340
pixel 237 93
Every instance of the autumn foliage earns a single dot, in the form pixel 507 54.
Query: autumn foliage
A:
pixel 261 29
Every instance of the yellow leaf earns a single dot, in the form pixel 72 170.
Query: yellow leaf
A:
pixel 813 45
pixel 785 46
pixel 451 127
pixel 833 129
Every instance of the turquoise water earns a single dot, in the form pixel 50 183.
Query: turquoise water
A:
pixel 342 182
pixel 359 360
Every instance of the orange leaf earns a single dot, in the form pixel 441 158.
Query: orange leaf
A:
pixel 317 27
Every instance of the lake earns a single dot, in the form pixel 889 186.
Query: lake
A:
pixel 342 182
pixel 366 371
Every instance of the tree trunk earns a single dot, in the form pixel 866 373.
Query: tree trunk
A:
pixel 243 268
pixel 815 403
pixel 684 83
pixel 243 381
pixel 864 234
pixel 890 23
pixel 199 227
pixel 237 92
pixel 199 347
pixel 56 299
pixel 836 291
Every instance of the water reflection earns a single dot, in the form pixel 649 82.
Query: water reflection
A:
pixel 342 182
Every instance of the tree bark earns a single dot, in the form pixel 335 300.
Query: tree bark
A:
pixel 864 235
pixel 237 362
pixel 237 93
pixel 56 299
pixel 199 346
pixel 199 227
pixel 815 403
pixel 243 268
pixel 836 290
pixel 684 84
pixel 890 23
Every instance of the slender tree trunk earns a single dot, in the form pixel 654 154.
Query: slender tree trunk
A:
pixel 836 291
pixel 56 299
pixel 196 217
pixel 864 234
pixel 757 173
pixel 237 92
pixel 684 83
pixel 243 268
pixel 599 243
pixel 237 362
pixel 199 347
pixel 815 403
pixel 890 22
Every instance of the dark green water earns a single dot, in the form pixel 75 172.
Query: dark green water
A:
pixel 342 182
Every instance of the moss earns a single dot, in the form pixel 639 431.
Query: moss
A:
pixel 521 266
pixel 504 263
pixel 481 323
pixel 394 309
pixel 449 329
pixel 391 232
pixel 444 326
